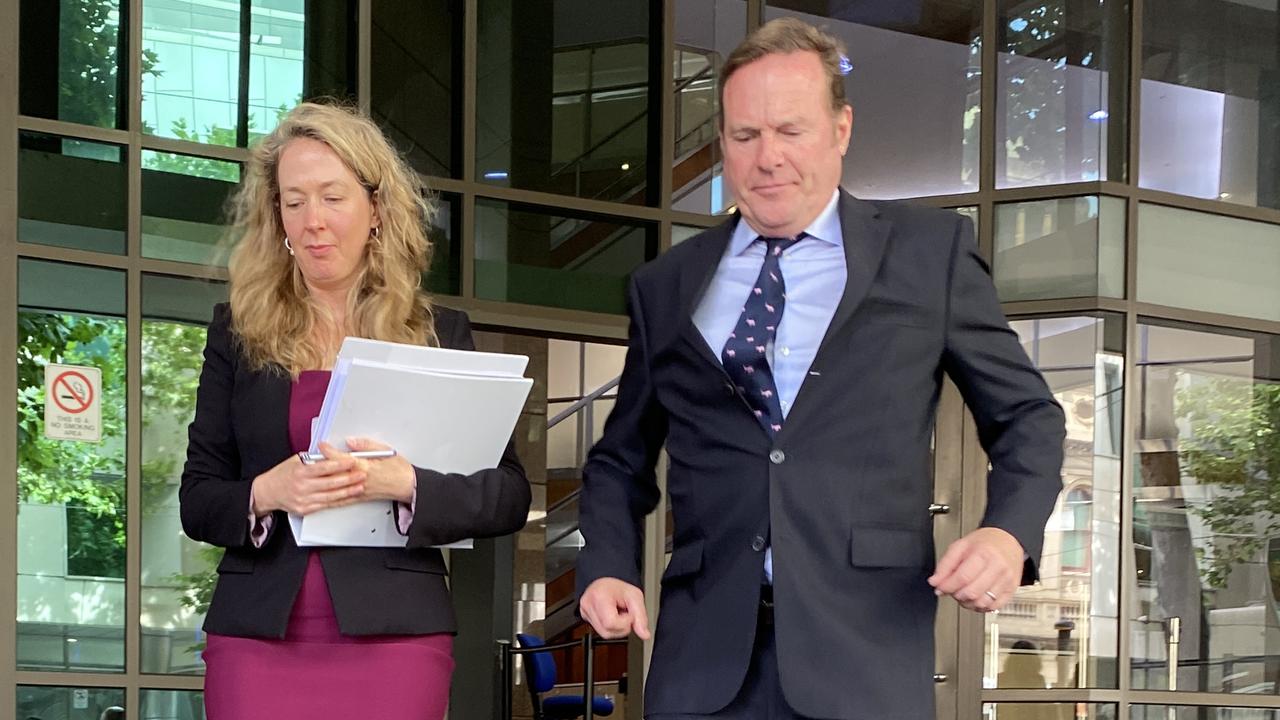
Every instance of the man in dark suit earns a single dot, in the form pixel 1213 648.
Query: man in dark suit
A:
pixel 790 361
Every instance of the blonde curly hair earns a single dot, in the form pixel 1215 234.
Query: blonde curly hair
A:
pixel 273 314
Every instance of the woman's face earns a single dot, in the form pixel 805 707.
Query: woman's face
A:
pixel 327 214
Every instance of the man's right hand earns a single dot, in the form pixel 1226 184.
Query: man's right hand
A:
pixel 615 609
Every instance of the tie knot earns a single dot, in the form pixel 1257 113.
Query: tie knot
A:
pixel 775 246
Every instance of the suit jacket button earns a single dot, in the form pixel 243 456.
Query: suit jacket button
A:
pixel 757 543
pixel 777 457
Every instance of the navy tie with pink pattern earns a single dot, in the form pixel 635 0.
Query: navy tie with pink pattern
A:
pixel 745 355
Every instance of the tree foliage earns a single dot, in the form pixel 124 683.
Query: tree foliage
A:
pixel 1234 447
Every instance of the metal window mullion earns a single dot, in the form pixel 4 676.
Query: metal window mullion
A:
pixel 470 65
pixel 242 88
pixel 364 55
pixel 1128 437
pixel 8 351
pixel 988 143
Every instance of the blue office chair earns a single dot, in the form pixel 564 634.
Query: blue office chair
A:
pixel 540 674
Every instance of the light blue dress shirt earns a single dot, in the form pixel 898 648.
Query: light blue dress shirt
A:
pixel 814 272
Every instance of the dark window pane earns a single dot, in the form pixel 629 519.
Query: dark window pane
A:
pixel 563 97
pixel 71 493
pixel 1063 89
pixel 445 275
pixel 183 206
pixel 527 256
pixel 415 91
pixel 60 287
pixel 180 299
pixel 1203 512
pixel 71 193
pixel 706 32
pixel 914 87
pixel 1211 100
pixel 70 58
pixel 67 703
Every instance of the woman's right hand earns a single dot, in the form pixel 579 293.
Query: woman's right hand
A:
pixel 304 489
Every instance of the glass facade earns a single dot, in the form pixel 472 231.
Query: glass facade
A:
pixel 1127 198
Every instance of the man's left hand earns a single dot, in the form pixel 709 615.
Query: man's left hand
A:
pixel 980 570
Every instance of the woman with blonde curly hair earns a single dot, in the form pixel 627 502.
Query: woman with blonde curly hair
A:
pixel 330 242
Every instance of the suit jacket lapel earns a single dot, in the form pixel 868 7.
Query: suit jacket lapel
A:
pixel 866 236
pixel 695 276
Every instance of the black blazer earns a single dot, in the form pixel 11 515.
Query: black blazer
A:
pixel 241 430
pixel 841 493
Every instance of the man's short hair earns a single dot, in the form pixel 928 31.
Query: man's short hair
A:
pixel 787 35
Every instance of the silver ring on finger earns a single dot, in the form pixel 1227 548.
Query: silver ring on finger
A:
pixel 991 595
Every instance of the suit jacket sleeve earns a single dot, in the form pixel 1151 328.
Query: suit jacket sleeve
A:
pixel 488 503
pixel 1020 425
pixel 214 499
pixel 618 483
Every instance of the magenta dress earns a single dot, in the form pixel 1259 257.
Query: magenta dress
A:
pixel 315 671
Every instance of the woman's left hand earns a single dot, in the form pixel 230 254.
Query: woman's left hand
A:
pixel 390 478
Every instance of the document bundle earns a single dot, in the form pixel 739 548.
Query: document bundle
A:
pixel 451 411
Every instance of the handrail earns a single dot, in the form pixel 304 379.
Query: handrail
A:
pixel 564 500
pixel 603 141
pixel 506 649
pixel 585 401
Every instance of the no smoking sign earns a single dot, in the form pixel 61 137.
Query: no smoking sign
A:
pixel 72 403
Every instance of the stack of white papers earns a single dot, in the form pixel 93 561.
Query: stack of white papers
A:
pixel 451 411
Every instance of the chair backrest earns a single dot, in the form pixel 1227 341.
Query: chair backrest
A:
pixel 540 667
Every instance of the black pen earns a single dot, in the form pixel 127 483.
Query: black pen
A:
pixel 309 458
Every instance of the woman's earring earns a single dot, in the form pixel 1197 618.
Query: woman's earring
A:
pixel 287 246
pixel 376 233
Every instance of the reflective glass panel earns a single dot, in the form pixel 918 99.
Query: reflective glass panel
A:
pixel 445 275
pixel 1200 712
pixel 1062 91
pixel 706 32
pixel 42 702
pixel 1072 247
pixel 69 61
pixel 1210 104
pixel 171 705
pixel 1208 262
pixel 177 573
pixel 1206 558
pixel 192 79
pixel 1048 711
pixel 183 206
pixel 71 467
pixel 1061 632
pixel 914 86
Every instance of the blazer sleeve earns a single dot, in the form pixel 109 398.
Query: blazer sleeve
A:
pixel 1020 424
pixel 488 503
pixel 619 487
pixel 213 498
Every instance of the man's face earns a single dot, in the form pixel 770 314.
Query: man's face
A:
pixel 783 145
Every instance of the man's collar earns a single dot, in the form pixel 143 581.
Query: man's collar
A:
pixel 825 227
